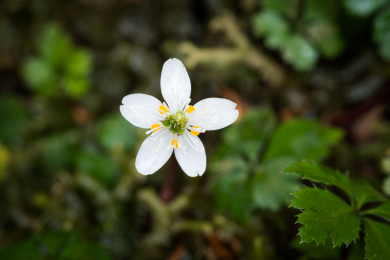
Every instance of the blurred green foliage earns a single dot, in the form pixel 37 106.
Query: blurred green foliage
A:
pixel 60 67
pixel 303 30
pixel 254 153
pixel 314 31
pixel 382 33
pixel 363 7
pixel 55 245
pixel 13 112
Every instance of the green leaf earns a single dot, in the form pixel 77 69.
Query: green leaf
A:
pixel 114 132
pixel 271 188
pixel 382 211
pixel 365 193
pixel 363 7
pixel 325 215
pixel 59 64
pixel 13 119
pixel 326 37
pixel 381 33
pixel 27 250
pixel 76 87
pixel 300 53
pixel 40 76
pixel 79 63
pixel 377 240
pixel 84 251
pixel 313 251
pixel 55 46
pixel 273 27
pixel 55 241
pixel 282 6
pixel 386 186
pixel 318 173
pixel 100 167
pixel 250 134
pixel 302 139
pixel 235 177
pixel 4 161
pixel 54 245
pixel 55 154
pixel 325 10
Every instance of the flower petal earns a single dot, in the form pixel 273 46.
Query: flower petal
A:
pixel 175 84
pixel 215 113
pixel 148 161
pixel 194 162
pixel 141 110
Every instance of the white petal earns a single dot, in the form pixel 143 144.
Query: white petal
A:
pixel 141 110
pixel 194 162
pixel 215 113
pixel 148 161
pixel 175 84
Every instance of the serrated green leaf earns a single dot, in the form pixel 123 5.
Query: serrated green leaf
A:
pixel 365 193
pixel 318 173
pixel 377 239
pixel 363 7
pixel 302 139
pixel 313 251
pixel 325 215
pixel 382 211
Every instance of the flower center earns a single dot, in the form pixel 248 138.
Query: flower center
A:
pixel 176 123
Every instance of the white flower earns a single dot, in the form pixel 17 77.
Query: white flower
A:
pixel 174 124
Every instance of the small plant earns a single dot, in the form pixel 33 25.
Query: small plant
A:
pixel 58 67
pixel 327 215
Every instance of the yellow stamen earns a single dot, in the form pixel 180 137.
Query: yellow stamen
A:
pixel 190 109
pixel 174 143
pixel 155 127
pixel 163 109
pixel 194 133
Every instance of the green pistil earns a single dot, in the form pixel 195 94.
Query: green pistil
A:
pixel 176 123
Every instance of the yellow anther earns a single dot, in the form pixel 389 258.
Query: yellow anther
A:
pixel 190 109
pixel 155 127
pixel 163 109
pixel 194 133
pixel 174 143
